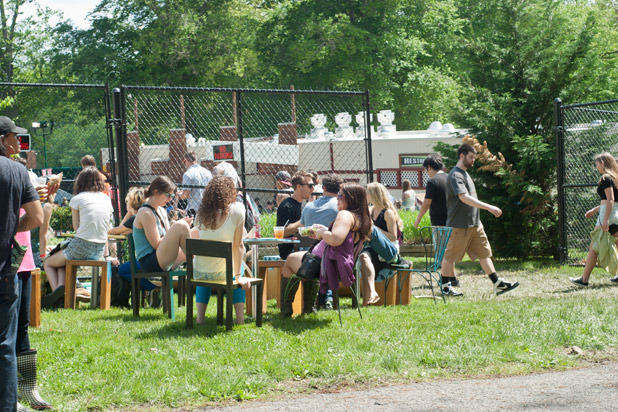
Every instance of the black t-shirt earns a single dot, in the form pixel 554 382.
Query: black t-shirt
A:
pixel 16 190
pixel 288 211
pixel 606 181
pixel 436 191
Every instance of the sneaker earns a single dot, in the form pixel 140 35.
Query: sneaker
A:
pixel 502 286
pixel 449 291
pixel 328 305
pixel 614 279
pixel 579 282
pixel 453 281
pixel 401 263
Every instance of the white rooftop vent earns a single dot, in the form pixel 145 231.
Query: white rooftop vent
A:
pixel 447 128
pixel 435 127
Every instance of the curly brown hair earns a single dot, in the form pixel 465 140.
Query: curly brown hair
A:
pixel 218 196
pixel 89 180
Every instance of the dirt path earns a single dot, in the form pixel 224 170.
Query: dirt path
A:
pixel 593 388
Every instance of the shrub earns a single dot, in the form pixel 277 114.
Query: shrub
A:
pixel 267 222
pixel 410 233
pixel 61 219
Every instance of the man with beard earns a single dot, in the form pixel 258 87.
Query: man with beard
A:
pixel 464 217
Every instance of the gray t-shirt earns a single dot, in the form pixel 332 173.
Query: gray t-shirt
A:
pixel 460 214
pixel 322 210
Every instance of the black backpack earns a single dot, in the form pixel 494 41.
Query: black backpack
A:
pixel 121 291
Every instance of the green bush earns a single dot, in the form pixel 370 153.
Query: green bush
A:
pixel 410 233
pixel 267 222
pixel 62 219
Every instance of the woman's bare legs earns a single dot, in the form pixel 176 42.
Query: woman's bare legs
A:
pixel 368 276
pixel 591 261
pixel 240 312
pixel 55 266
pixel 201 312
pixel 292 264
pixel 168 253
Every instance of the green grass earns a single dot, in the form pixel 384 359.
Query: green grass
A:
pixel 95 360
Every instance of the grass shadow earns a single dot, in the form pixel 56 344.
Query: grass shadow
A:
pixel 573 288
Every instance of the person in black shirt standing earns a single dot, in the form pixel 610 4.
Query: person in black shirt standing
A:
pixel 289 210
pixel 435 194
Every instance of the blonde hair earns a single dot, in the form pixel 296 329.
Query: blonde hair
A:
pixel 379 197
pixel 610 166
pixel 135 197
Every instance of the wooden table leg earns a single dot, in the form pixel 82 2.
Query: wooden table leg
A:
pixel 69 286
pixel 35 298
pixel 106 286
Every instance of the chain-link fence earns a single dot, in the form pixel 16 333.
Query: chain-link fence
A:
pixel 65 122
pixel 259 132
pixel 583 131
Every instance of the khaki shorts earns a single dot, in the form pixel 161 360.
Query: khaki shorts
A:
pixel 472 240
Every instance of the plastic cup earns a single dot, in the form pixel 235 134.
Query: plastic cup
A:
pixel 278 231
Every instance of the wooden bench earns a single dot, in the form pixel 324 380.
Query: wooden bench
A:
pixel 35 298
pixel 105 288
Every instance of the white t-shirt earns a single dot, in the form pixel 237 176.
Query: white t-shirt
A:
pixel 95 212
pixel 214 268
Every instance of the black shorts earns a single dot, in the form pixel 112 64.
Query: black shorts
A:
pixel 378 265
pixel 149 263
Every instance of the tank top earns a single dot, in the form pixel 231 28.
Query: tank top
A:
pixel 142 245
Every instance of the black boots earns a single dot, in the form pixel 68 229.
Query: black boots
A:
pixel 288 289
pixel 26 381
pixel 289 286
pixel 54 299
pixel 310 294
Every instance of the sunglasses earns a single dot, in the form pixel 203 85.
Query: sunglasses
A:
pixel 172 195
pixel 308 184
pixel 340 196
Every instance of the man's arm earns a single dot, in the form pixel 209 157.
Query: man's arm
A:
pixel 470 201
pixel 33 217
pixel 422 211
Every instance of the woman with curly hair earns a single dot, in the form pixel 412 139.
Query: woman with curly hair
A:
pixel 92 211
pixel 220 218
pixel 337 249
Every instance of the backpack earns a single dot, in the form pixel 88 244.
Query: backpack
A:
pixel 121 290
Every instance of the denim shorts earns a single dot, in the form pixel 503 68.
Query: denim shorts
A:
pixel 80 249
pixel 613 216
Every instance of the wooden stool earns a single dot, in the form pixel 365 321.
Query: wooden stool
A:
pixel 391 292
pixel 405 292
pixel 35 298
pixel 106 282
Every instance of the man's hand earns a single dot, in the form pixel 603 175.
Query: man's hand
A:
pixel 494 211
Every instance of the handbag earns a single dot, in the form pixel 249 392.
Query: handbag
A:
pixel 17 255
pixel 60 246
pixel 310 267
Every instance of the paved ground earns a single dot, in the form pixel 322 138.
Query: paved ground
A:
pixel 578 390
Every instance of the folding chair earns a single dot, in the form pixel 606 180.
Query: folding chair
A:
pixel 211 248
pixel 167 284
pixel 436 238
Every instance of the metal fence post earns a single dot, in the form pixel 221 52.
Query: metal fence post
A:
pixel 368 145
pixel 242 149
pixel 562 247
pixel 121 144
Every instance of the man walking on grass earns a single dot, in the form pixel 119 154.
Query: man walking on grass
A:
pixel 464 217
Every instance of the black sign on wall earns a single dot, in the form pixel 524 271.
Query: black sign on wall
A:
pixel 24 142
pixel 223 152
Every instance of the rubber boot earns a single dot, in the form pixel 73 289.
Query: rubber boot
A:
pixel 289 286
pixel 22 408
pixel 310 294
pixel 26 381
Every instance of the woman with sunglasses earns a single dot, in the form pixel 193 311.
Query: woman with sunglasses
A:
pixel 338 246
pixel 159 247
